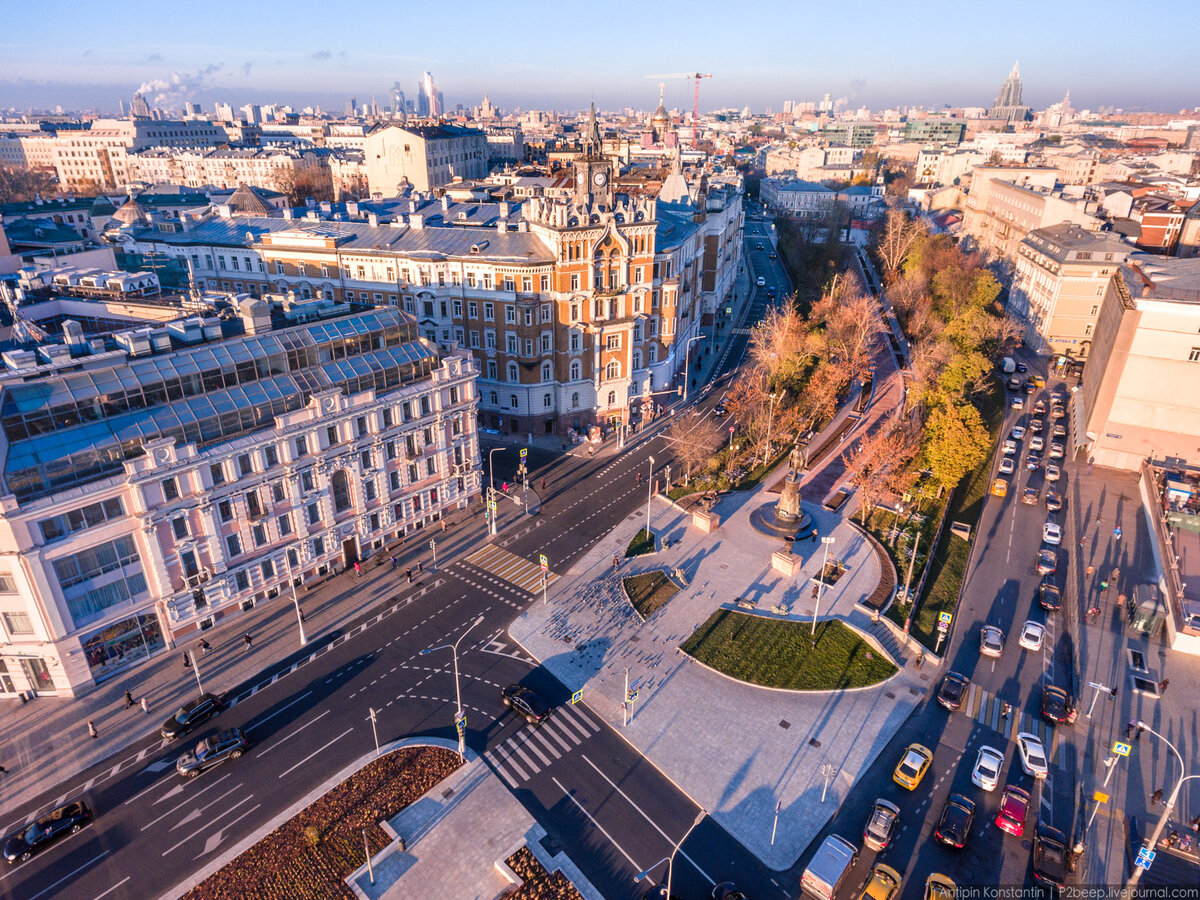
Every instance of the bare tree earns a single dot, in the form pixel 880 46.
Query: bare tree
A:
pixel 695 440
pixel 900 233
pixel 852 330
pixel 879 461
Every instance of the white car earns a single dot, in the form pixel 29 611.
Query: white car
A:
pixel 991 641
pixel 1031 636
pixel 1037 442
pixel 988 764
pixel 761 281
pixel 1018 432
pixel 1052 533
pixel 1007 466
pixel 1010 447
pixel 1056 450
pixel 1033 755
pixel 1053 472
pixel 1018 402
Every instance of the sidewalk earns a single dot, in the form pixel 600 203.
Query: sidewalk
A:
pixel 46 741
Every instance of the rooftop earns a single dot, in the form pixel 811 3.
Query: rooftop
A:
pixel 1152 277
pixel 1059 241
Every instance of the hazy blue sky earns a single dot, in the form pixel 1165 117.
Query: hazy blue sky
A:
pixel 544 55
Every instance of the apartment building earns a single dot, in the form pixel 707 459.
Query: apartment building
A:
pixel 938 131
pixel 273 168
pixel 1004 204
pixel 166 468
pixel 943 165
pixel 423 157
pixel 98 156
pixel 1062 275
pixel 795 197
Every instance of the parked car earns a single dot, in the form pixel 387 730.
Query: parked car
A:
pixel 1029 496
pixel 1053 472
pixel 1032 635
pixel 1057 411
pixel 882 823
pixel 1049 596
pixel 954 825
pixel 1013 384
pixel 212 751
pixel 1049 856
pixel 191 714
pixel 1007 466
pixel 1014 805
pixel 1052 533
pixel 1030 388
pixel 884 883
pixel 1033 755
pixel 1021 367
pixel 1059 432
pixel 1047 561
pixel 1053 501
pixel 1039 408
pixel 912 766
pixel 1010 447
pixel 1038 381
pixel 526 703
pixel 953 690
pixel 46 830
pixel 1058 706
pixel 988 764
pixel 991 641
pixel 1000 487
pixel 940 887
pixel 1018 402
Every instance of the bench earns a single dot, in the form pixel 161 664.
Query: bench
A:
pixel 745 604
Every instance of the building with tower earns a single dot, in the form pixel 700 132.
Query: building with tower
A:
pixel 1007 107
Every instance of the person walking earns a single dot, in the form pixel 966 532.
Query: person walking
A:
pixel 1091 570
pixel 395 562
pixel 616 562
pixel 205 646
pixel 408 572
pixel 129 701
pixel 420 566
pixel 248 641
pixel 357 569
pixel 1129 729
pixel 1117 532
pixel 920 660
pixel 187 660
pixel 1162 686
pixel 444 521
pixel 92 729
pixel 1156 797
pixel 1137 735
pixel 145 706
pixel 814 535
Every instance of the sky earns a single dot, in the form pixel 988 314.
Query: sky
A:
pixel 561 56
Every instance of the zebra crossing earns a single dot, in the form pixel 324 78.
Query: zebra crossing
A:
pixel 986 709
pixel 512 568
pixel 531 749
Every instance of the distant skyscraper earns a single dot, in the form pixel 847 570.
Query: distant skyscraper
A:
pixel 1007 107
pixel 223 112
pixel 191 110
pixel 430 100
pixel 140 108
pixel 252 114
pixel 351 107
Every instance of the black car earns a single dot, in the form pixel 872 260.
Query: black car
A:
pixel 727 890
pixel 1050 856
pixel 50 828
pixel 1058 706
pixel 1049 596
pixel 1021 367
pixel 1053 501
pixel 211 752
pixel 958 815
pixel 526 703
pixel 188 716
pixel 953 690
pixel 1014 384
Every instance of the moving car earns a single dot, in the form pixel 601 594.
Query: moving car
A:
pixel 1038 381
pixel 1018 402
pixel 991 641
pixel 884 817
pixel 829 867
pixel 1018 432
pixel 1033 755
pixel 1049 856
pixel 1010 447
pixel 940 887
pixel 954 826
pixel 1039 408
pixel 988 764
pixel 525 702
pixel 1000 487
pixel 1013 384
pixel 1053 472
pixel 1049 596
pixel 1036 426
pixel 1030 388
pixel 761 282
pixel 1032 461
pixel 773 255
pixel 1021 367
pixel 884 883
pixel 1007 466
pixel 212 751
pixel 1031 636
pixel 1057 412
pixel 1014 805
pixel 1047 561
pixel 49 829
pixel 1057 450
pixel 912 766
pixel 1058 706
pixel 1053 501
pixel 953 690
pixel 1029 496
pixel 1052 533
pixel 191 714
pixel 1037 442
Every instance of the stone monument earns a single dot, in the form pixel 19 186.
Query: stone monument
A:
pixel 787 511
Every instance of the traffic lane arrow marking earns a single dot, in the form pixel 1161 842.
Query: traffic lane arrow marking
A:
pixel 178 789
pixel 215 840
pixel 196 812
pixel 212 821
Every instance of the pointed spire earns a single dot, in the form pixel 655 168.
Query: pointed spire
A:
pixel 1016 72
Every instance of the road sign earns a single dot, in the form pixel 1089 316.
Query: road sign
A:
pixel 1144 858
pixel 524 452
pixel 943 627
pixel 631 696
pixel 946 618
pixel 1120 749
pixel 545 563
pixel 1100 797
pixel 492 505
pixel 731 429
pixel 460 722
pixel 577 696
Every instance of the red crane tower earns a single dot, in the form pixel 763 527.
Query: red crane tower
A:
pixel 696 76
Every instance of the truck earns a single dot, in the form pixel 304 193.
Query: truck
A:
pixel 1008 365
pixel 829 866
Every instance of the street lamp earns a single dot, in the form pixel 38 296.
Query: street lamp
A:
pixel 492 513
pixel 770 422
pixel 295 600
pixel 1152 841
pixel 687 364
pixel 649 495
pixel 459 723
pixel 821 583
pixel 670 860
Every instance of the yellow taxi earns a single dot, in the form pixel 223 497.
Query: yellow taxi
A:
pixel 884 884
pixel 940 887
pixel 912 766
pixel 1000 487
pixel 1038 381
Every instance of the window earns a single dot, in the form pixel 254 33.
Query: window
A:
pixel 179 528
pixel 285 525
pixel 18 623
pixel 387 417
pixel 489 339
pixel 244 466
pixel 431 466
pixel 369 490
pixel 313 511
pixel 225 510
pixel 491 369
pixel 318 546
pixel 546 401
pixel 94 561
pixel 217 472
pixel 170 489
pixel 456 306
pixel 472 309
pixel 394 481
pixel 575 400
pixel 473 339
pixel 277 491
pixel 510 314
pixel 412 473
pixel 612 370
pixel 79 519
pixel 1194 355
pixel 612 398
pixel 306 481
pixel 512 401
pixel 340 482
pixel 272 456
pixel 331 433
pixel 576 341
pixel 574 281
pixel 512 373
pixel 268 569
pixel 547 372
pixel 489 311
pixel 301 446
pixel 511 344
pixel 1087 329
pixel 614 342
pixel 529 346
pixel 546 343
pixel 576 370
pixel 360 425
pixel 364 459
pixel 233 545
pixel 253 504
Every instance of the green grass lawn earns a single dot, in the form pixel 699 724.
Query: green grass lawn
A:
pixel 649 592
pixel 642 543
pixel 780 654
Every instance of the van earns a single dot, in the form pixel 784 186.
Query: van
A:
pixel 833 860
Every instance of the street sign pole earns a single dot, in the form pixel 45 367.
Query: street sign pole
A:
pixel 433 547
pixel 1098 799
pixel 625 701
pixel 374 729
pixel 545 564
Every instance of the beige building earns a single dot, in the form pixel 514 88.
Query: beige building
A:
pixel 1005 204
pixel 100 155
pixel 1061 276
pixel 423 156
pixel 1138 398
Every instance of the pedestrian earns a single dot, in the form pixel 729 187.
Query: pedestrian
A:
pixel 920 660
pixel 1156 797
pixel 248 641
pixel 420 564
pixel 1173 838
pixel 616 562
pixel 357 569
pixel 396 562
pixel 145 706
pixel 300 614
pixel 408 572
pixel 1137 735
pixel 1005 711
pixel 1129 728
pixel 1117 532
pixel 187 660
pixel 1091 571
pixel 814 535
pixel 1081 542
pixel 816 590
pixel 205 646
pixel 92 730
pixel 444 521
pixel 1194 824
pixel 1162 686
pixel 1104 585
pixel 128 700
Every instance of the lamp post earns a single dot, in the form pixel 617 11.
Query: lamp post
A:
pixel 770 422
pixel 1152 841
pixel 295 600
pixel 649 495
pixel 821 583
pixel 687 364
pixel 459 721
pixel 670 860
pixel 492 513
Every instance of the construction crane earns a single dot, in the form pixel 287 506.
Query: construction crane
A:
pixel 696 76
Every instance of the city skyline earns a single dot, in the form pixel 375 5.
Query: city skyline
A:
pixel 95 60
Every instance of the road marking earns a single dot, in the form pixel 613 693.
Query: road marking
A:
pixel 209 823
pixel 214 840
pixel 113 888
pixel 68 877
pixel 293 734
pixel 315 752
pixel 600 827
pixel 277 712
pixel 156 784
pixel 177 789
pixel 196 812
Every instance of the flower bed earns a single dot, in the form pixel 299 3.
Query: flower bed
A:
pixel 649 592
pixel 310 856
pixel 536 882
pixel 642 543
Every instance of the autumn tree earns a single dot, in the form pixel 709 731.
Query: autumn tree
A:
pixel 778 346
pixel 303 185
pixel 900 232
pixel 851 331
pixel 955 442
pixel 20 185
pixel 818 401
pixel 878 463
pixel 695 439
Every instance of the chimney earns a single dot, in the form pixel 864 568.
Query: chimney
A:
pixel 504 209
pixel 416 221
pixel 502 227
pixel 445 202
pixel 373 219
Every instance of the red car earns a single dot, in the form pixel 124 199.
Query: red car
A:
pixel 1014 804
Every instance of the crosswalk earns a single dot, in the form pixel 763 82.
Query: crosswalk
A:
pixel 986 709
pixel 512 568
pixel 533 748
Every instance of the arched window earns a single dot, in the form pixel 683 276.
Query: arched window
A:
pixel 546 401
pixel 340 482
pixel 495 401
pixel 575 400
pixel 612 370
pixel 654 353
pixel 637 359
pixel 547 371
pixel 513 375
pixel 612 398
pixel 512 401
pixel 576 370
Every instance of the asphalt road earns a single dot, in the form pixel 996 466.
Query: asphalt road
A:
pixel 612 811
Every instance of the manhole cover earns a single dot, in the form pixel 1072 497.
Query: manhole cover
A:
pixel 813 742
pixel 891 695
pixel 915 692
pixel 633 639
pixel 448 793
pixel 785 724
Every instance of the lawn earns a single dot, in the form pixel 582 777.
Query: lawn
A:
pixel 309 856
pixel 780 654
pixel 642 543
pixel 649 592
